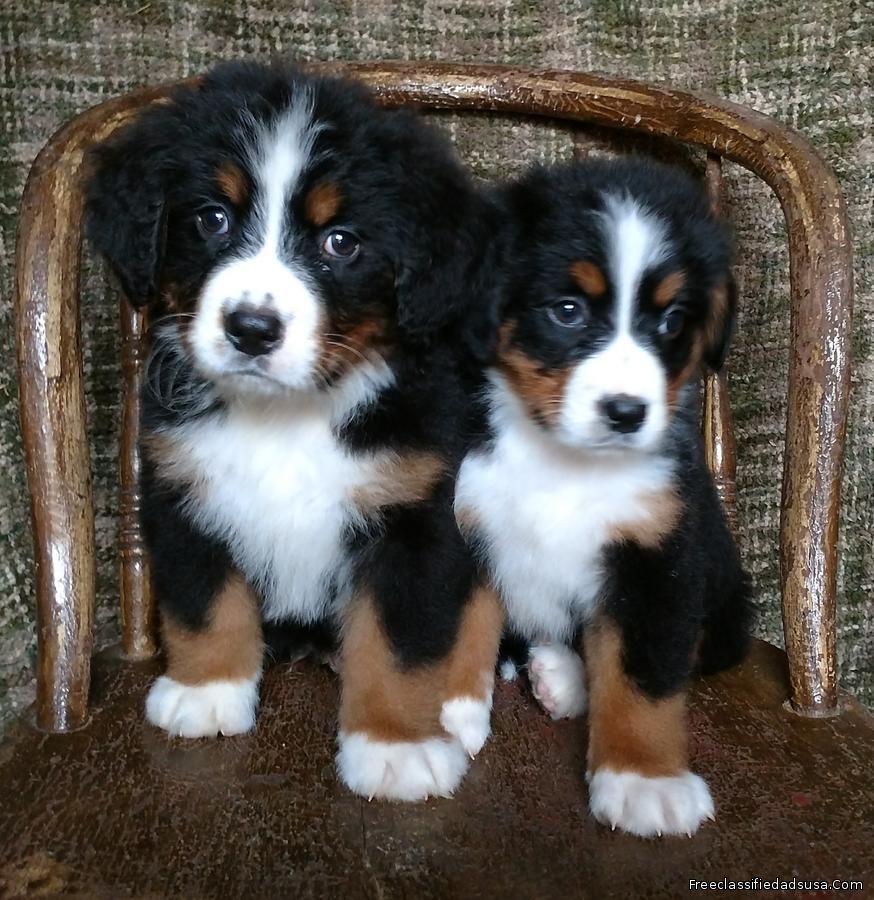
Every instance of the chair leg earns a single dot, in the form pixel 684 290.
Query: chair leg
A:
pixel 52 404
pixel 54 435
pixel 812 473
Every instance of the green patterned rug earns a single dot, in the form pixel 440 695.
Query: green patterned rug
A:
pixel 807 64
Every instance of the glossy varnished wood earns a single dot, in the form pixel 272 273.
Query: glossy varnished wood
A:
pixel 719 443
pixel 818 382
pixel 138 613
pixel 52 405
pixel 716 421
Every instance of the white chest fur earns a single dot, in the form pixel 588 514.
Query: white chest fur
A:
pixel 545 513
pixel 273 481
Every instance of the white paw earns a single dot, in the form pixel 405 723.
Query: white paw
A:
pixel 650 807
pixel 558 680
pixel 203 710
pixel 469 720
pixel 400 770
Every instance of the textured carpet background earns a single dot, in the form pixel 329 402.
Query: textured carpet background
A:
pixel 809 64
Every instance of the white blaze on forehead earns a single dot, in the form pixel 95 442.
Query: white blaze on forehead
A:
pixel 282 153
pixel 637 243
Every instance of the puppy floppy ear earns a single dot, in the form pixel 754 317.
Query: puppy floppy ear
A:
pixel 431 286
pixel 506 212
pixel 124 207
pixel 438 269
pixel 461 286
pixel 490 277
pixel 721 318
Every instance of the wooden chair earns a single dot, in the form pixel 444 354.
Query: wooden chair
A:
pixel 91 787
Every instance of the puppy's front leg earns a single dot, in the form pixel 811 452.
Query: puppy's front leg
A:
pixel 419 651
pixel 638 772
pixel 470 680
pixel 211 631
pixel 391 742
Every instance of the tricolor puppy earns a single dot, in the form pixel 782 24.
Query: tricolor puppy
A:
pixel 307 256
pixel 587 495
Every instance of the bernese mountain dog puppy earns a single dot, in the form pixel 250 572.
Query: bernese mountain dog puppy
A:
pixel 586 493
pixel 307 256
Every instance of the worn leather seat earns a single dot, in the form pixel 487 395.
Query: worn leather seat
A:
pixel 117 809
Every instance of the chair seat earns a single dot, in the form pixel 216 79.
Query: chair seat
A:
pixel 117 809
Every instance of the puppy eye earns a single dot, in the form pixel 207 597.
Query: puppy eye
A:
pixel 568 313
pixel 672 324
pixel 213 221
pixel 341 245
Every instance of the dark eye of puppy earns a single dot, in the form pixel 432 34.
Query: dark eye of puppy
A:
pixel 672 324
pixel 567 312
pixel 341 245
pixel 213 221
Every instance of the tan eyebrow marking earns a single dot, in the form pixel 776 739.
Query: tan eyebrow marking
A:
pixel 589 277
pixel 233 182
pixel 322 203
pixel 668 288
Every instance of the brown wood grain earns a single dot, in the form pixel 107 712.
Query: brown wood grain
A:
pixel 717 424
pixel 52 406
pixel 818 380
pixel 138 614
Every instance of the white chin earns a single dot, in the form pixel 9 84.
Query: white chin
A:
pixel 260 384
pixel 598 441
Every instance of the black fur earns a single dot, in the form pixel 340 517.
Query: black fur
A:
pixel 188 567
pixel 688 601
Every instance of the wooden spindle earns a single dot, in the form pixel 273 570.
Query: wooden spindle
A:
pixel 137 608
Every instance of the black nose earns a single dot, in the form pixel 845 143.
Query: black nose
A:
pixel 253 331
pixel 624 412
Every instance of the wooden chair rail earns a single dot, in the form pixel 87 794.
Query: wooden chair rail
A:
pixel 50 373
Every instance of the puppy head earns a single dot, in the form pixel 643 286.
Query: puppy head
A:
pixel 619 290
pixel 292 229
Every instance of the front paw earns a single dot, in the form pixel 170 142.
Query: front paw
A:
pixel 203 710
pixel 650 807
pixel 558 680
pixel 400 770
pixel 468 720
